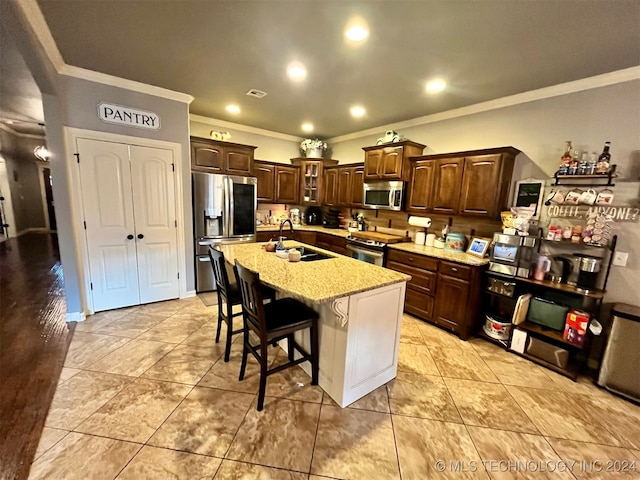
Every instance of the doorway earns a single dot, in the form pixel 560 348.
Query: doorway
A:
pixel 48 191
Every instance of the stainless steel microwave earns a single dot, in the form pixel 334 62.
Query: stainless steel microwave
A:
pixel 384 195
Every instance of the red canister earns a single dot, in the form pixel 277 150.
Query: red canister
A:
pixel 575 329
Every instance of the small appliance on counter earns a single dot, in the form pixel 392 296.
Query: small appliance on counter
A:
pixel 588 271
pixel 295 216
pixel 331 218
pixel 513 254
pixel 313 216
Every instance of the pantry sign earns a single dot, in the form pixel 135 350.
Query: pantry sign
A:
pixel 132 117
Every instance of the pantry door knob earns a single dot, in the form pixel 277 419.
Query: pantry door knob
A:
pixel 129 237
pixel 140 236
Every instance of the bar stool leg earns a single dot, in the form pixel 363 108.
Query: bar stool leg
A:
pixel 290 346
pixel 245 352
pixel 263 375
pixel 219 323
pixel 314 353
pixel 227 347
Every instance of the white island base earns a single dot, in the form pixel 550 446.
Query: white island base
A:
pixel 359 337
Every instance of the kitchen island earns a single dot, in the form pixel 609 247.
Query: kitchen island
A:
pixel 360 307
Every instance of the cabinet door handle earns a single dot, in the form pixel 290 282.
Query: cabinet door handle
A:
pixel 454 269
pixel 140 236
pixel 129 237
pixel 410 259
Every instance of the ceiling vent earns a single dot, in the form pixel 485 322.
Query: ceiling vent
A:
pixel 256 93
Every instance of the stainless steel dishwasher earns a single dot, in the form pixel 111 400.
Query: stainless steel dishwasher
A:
pixel 619 368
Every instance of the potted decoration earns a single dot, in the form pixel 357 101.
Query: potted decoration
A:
pixel 313 148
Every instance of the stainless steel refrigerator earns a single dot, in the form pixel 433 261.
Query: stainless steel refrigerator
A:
pixel 224 211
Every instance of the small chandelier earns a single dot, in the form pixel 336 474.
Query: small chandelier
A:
pixel 41 153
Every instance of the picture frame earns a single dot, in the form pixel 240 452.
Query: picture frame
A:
pixel 529 192
pixel 478 246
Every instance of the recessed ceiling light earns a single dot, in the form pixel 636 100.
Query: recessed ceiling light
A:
pixel 356 30
pixel 357 111
pixel 436 86
pixel 307 127
pixel 296 71
pixel 232 108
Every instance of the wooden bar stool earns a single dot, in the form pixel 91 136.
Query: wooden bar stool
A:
pixel 272 322
pixel 228 297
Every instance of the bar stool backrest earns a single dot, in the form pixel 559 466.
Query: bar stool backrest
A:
pixel 220 274
pixel 252 301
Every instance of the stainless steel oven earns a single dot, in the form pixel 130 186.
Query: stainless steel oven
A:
pixel 368 251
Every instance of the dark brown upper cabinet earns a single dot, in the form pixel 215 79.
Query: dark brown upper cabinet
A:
pixel 446 185
pixel 331 186
pixel 221 157
pixel 474 183
pixel 277 183
pixel 312 179
pixel 390 161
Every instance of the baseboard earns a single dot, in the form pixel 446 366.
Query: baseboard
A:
pixel 76 317
pixel 189 294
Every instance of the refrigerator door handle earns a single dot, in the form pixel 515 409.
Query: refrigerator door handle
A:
pixel 229 206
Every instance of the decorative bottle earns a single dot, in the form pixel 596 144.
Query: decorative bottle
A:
pixel 604 159
pixel 565 160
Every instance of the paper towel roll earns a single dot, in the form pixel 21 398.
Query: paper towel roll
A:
pixel 420 237
pixel 423 222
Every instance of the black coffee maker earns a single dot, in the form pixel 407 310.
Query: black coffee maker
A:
pixel 313 216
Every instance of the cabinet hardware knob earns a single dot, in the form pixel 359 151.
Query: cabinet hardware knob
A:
pixel 140 236
pixel 411 259
pixel 129 237
pixel 454 269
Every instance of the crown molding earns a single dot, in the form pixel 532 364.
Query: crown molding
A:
pixel 606 79
pixel 113 81
pixel 32 15
pixel 10 130
pixel 243 128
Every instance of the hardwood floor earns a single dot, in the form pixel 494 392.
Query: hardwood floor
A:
pixel 34 339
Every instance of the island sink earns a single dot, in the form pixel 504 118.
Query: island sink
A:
pixel 309 255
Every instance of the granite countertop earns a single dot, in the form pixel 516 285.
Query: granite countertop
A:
pixel 443 254
pixel 338 232
pixel 317 281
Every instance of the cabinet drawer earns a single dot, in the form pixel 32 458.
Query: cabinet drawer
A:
pixel 422 280
pixel 419 261
pixel 418 304
pixel 455 270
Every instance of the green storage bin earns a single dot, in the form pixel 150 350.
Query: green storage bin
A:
pixel 547 313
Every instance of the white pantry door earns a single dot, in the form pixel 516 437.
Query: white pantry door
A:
pixel 129 210
pixel 154 211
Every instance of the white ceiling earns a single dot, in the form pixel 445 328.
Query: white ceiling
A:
pixel 217 50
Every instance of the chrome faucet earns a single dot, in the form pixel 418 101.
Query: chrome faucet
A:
pixel 280 245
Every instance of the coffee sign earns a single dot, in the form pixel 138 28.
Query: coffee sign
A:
pixel 132 117
pixel 617 214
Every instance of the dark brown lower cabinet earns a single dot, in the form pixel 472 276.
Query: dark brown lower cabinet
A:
pixel 301 236
pixel 333 243
pixel 444 293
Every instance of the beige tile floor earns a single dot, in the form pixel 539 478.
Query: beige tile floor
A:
pixel 145 394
